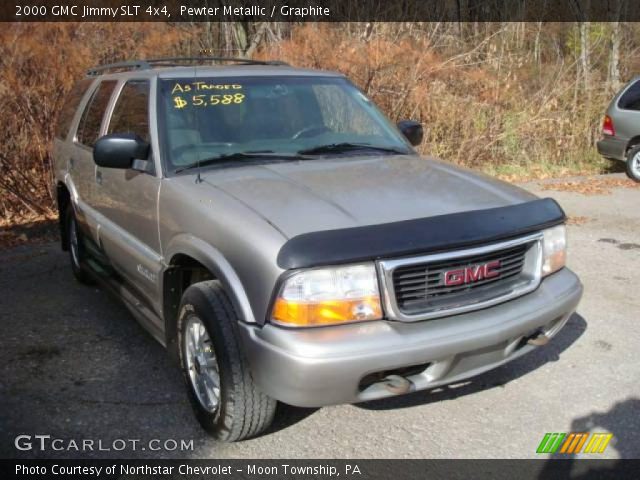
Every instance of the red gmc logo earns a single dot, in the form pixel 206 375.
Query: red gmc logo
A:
pixel 472 274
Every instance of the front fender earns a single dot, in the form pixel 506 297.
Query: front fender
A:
pixel 218 265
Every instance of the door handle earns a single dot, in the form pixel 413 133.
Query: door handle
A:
pixel 99 177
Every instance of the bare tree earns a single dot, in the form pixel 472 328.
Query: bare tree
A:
pixel 585 54
pixel 614 57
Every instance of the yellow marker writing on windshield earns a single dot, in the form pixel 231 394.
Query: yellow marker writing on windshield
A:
pixel 208 100
pixel 179 102
pixel 202 86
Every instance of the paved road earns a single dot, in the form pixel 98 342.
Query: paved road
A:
pixel 74 364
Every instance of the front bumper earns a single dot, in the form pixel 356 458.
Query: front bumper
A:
pixel 612 148
pixel 327 365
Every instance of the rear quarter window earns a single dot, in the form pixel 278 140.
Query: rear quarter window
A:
pixel 89 127
pixel 630 100
pixel 68 110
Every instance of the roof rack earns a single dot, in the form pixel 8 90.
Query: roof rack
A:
pixel 148 64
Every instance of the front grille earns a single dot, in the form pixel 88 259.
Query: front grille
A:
pixel 421 287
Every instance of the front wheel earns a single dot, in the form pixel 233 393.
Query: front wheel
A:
pixel 226 401
pixel 633 164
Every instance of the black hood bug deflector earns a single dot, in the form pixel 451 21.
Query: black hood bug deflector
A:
pixel 419 236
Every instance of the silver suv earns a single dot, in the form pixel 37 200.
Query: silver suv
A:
pixel 285 242
pixel 621 129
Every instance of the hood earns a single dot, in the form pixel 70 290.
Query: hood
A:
pixel 326 194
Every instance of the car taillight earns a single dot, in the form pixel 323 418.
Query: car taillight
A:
pixel 607 126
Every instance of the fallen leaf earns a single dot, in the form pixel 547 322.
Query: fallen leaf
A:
pixel 591 186
pixel 577 220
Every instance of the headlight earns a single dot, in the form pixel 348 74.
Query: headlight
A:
pixel 329 295
pixel 554 249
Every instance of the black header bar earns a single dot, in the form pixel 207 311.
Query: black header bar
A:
pixel 319 10
pixel 543 469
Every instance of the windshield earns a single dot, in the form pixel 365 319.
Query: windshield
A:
pixel 240 118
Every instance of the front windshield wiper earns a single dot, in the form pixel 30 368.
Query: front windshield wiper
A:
pixel 347 147
pixel 226 157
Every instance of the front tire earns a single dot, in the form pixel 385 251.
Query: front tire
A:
pixel 76 248
pixel 226 401
pixel 633 164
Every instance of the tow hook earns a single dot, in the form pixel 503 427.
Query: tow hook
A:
pixel 397 384
pixel 538 339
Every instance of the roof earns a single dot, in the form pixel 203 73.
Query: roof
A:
pixel 241 71
pixel 172 68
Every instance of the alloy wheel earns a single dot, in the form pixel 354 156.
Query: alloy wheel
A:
pixel 202 364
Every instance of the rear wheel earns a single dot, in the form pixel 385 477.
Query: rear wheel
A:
pixel 226 401
pixel 76 248
pixel 633 164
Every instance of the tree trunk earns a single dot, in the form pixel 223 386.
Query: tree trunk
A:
pixel 614 57
pixel 536 48
pixel 584 53
pixel 256 38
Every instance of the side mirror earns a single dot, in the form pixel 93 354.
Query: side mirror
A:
pixel 412 130
pixel 119 150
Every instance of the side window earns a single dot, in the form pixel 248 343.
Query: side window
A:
pixel 131 113
pixel 68 110
pixel 89 127
pixel 630 100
